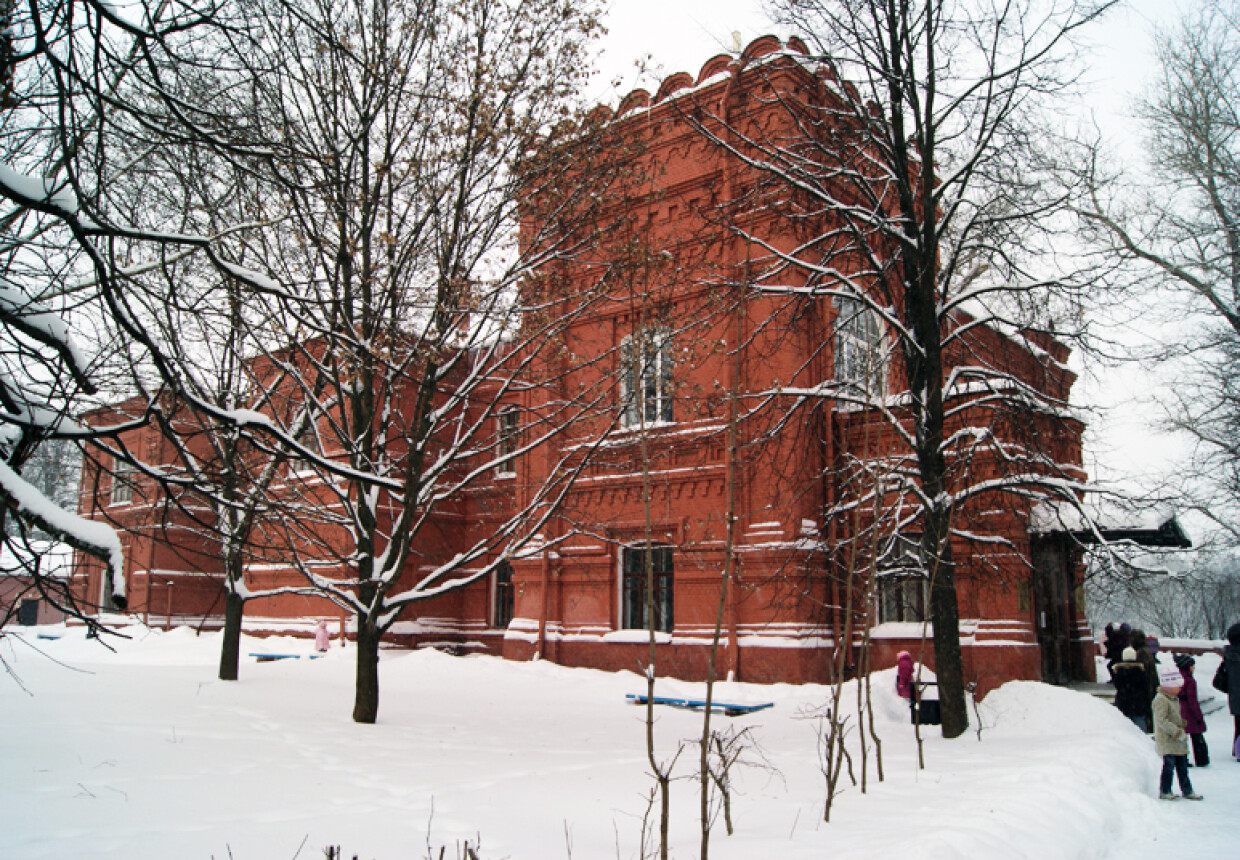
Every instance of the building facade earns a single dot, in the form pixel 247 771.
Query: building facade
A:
pixel 754 427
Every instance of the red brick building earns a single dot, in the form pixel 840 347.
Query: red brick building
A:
pixel 172 567
pixel 717 384
pixel 22 599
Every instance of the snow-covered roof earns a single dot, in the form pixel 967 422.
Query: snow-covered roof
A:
pixel 56 559
pixel 1148 526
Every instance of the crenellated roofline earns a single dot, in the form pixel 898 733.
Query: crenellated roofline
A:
pixel 759 48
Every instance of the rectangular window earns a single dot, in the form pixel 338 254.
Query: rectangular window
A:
pixel 901 598
pixel 308 438
pixel 509 429
pixel 860 349
pixel 123 475
pixel 638 600
pixel 646 378
pixel 902 584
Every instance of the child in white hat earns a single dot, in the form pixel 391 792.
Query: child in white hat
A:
pixel 1169 735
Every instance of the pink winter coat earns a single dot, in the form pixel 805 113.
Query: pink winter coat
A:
pixel 904 674
pixel 322 641
pixel 1190 708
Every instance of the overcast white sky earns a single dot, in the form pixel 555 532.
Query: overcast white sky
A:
pixel 681 35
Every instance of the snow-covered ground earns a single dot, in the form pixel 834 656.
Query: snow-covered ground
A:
pixel 142 753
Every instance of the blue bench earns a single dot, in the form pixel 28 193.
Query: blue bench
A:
pixel 727 708
pixel 264 657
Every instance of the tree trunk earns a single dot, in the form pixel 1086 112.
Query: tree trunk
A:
pixel 948 663
pixel 729 561
pixel 366 693
pixel 945 611
pixel 230 650
pixel 925 365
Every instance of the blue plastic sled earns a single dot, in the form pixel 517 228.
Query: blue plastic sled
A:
pixel 727 708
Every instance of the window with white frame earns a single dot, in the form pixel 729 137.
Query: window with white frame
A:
pixel 646 377
pixel 638 600
pixel 308 438
pixel 508 429
pixel 123 475
pixel 903 587
pixel 860 348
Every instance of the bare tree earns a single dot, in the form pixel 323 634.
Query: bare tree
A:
pixel 870 521
pixel 79 78
pixel 1189 595
pixel 222 478
pixel 918 163
pixel 412 147
pixel 1175 231
pixel 714 757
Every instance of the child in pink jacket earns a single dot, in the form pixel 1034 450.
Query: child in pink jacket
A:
pixel 904 675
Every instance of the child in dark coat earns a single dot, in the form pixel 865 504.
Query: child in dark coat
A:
pixel 1231 659
pixel 1146 659
pixel 1190 710
pixel 1112 650
pixel 1132 689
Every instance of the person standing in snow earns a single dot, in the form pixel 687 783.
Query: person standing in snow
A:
pixel 1132 690
pixel 322 641
pixel 904 675
pixel 1190 710
pixel 1231 658
pixel 1146 659
pixel 1113 644
pixel 1170 737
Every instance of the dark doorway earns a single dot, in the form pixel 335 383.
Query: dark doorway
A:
pixel 28 613
pixel 502 616
pixel 1052 608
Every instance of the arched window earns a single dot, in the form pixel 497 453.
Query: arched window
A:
pixel 646 377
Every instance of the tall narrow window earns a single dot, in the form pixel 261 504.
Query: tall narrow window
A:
pixel 108 598
pixel 123 474
pixel 636 606
pixel 508 430
pixel 646 378
pixel 502 611
pixel 308 438
pixel 860 349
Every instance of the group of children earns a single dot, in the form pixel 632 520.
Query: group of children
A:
pixel 1161 700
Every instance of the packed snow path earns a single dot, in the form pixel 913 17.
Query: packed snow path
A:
pixel 142 753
